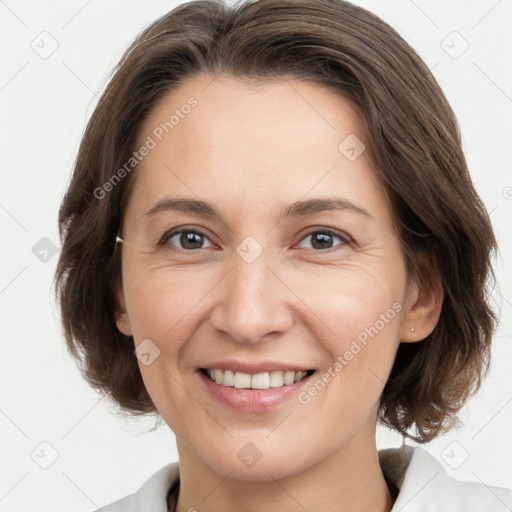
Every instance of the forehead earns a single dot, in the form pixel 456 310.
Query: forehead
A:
pixel 238 139
pixel 225 106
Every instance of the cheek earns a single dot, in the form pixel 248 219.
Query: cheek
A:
pixel 348 299
pixel 357 317
pixel 366 334
pixel 360 355
pixel 163 310
pixel 160 302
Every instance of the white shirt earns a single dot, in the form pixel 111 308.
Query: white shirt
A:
pixel 424 486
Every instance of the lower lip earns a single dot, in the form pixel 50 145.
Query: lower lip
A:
pixel 253 400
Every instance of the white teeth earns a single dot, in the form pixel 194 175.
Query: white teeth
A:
pixel 260 381
pixel 241 380
pixel 264 380
pixel 228 379
pixel 289 377
pixel 276 379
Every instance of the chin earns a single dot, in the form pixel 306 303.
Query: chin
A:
pixel 246 462
pixel 261 471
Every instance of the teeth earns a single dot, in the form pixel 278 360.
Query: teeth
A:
pixel 276 379
pixel 264 380
pixel 289 377
pixel 260 381
pixel 241 380
pixel 228 379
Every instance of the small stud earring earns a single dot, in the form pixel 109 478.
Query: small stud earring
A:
pixel 412 329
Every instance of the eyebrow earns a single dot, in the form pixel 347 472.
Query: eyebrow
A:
pixel 297 209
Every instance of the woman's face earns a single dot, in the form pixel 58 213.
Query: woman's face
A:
pixel 264 283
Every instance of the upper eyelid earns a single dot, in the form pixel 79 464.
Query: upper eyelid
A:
pixel 346 239
pixel 173 232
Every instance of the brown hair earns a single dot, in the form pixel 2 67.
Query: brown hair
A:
pixel 444 228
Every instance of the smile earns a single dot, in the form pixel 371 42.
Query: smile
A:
pixel 265 380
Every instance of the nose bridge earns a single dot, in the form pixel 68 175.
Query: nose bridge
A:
pixel 252 302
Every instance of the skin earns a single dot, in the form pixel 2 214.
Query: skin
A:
pixel 252 151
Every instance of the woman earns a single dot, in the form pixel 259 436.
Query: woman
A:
pixel 271 239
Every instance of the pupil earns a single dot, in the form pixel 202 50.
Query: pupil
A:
pixel 188 238
pixel 322 237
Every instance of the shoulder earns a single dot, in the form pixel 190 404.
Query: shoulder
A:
pixel 424 485
pixel 152 495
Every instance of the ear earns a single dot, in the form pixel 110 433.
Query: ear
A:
pixel 122 319
pixel 422 311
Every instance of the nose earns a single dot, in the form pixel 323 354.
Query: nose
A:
pixel 253 302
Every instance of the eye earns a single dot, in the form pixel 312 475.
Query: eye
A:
pixel 322 239
pixel 189 239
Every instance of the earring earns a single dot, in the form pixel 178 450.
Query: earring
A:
pixel 118 239
pixel 412 329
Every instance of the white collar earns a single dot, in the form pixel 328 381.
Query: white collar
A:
pixel 424 486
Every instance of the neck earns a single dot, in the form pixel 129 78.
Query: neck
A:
pixel 349 480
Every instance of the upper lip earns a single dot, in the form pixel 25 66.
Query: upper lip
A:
pixel 254 368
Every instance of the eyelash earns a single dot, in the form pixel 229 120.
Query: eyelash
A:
pixel 325 231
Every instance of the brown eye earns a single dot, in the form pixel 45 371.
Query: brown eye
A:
pixel 187 240
pixel 323 239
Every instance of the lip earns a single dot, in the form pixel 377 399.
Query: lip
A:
pixel 254 368
pixel 252 400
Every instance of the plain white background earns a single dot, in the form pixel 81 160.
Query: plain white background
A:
pixel 57 57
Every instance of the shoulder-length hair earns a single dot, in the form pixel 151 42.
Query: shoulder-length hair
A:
pixel 445 231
